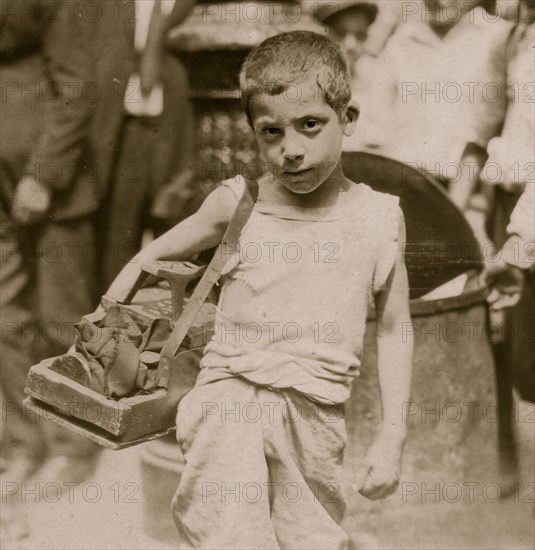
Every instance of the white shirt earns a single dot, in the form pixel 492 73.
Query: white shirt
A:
pixel 519 250
pixel 135 102
pixel 511 161
pixel 432 96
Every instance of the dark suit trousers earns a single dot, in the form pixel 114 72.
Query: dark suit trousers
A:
pixel 47 283
pixel 47 273
pixel 520 330
pixel 136 179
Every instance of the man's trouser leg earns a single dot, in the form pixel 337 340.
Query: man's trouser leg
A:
pixel 65 291
pixel 125 211
pixel 22 435
pixel 514 355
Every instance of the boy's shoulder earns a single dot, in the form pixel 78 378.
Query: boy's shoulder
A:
pixel 236 185
pixel 381 210
pixel 382 218
pixel 374 198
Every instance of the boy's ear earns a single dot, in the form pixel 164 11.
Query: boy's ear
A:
pixel 351 117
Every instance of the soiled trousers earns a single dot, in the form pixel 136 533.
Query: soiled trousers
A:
pixel 262 469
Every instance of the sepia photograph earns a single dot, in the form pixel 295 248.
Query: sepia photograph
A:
pixel 267 274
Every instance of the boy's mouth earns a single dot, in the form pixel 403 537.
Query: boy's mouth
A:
pixel 296 172
pixel 300 181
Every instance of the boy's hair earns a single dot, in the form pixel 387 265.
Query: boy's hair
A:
pixel 288 59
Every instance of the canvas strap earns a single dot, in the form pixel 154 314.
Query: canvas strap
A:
pixel 210 276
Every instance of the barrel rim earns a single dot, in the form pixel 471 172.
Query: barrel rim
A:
pixel 473 297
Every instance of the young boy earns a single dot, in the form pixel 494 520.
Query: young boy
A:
pixel 349 23
pixel 263 431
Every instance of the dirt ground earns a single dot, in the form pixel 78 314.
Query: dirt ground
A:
pixel 111 510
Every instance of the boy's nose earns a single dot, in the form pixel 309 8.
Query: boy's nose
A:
pixel 292 148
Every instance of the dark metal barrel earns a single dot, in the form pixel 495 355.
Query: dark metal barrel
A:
pixel 450 472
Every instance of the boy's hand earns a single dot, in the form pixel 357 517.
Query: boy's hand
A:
pixel 505 282
pixel 31 202
pixel 379 474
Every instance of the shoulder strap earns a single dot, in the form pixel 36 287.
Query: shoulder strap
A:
pixel 209 278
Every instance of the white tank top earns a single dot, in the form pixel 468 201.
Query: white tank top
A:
pixel 296 293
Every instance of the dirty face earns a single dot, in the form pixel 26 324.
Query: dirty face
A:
pixel 351 32
pixel 299 136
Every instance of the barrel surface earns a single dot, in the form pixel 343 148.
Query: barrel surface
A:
pixel 450 465
pixel 440 244
pixel 452 414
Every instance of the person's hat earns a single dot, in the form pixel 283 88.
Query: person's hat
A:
pixel 324 10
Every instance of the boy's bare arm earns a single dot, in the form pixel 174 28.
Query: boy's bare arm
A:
pixel 379 474
pixel 471 164
pixel 201 231
pixel 394 348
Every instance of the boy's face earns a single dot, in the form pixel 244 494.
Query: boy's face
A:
pixel 448 12
pixel 299 135
pixel 351 32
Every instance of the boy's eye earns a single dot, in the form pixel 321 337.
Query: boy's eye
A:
pixel 311 124
pixel 270 131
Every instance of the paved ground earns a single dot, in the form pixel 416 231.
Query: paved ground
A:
pixel 107 513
